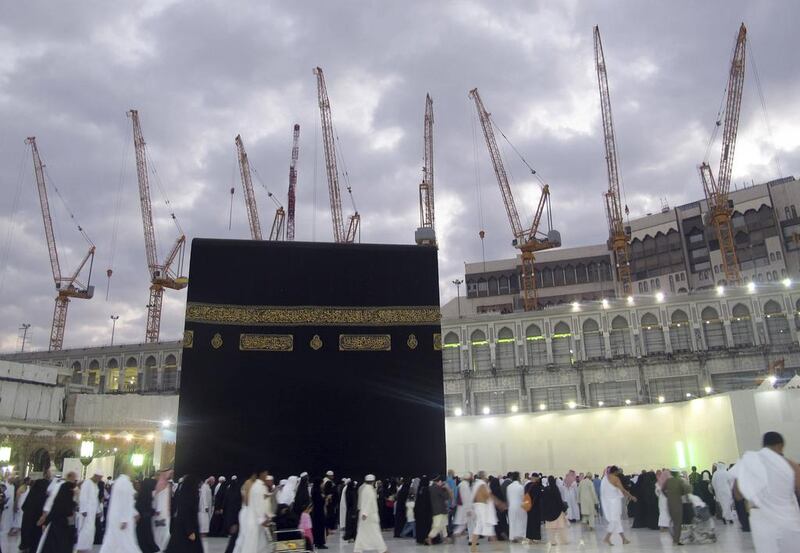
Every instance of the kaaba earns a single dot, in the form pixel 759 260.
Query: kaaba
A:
pixel 311 357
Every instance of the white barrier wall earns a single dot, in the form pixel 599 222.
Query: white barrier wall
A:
pixel 698 432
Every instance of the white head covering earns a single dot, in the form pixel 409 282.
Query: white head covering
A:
pixel 286 495
pixel 221 479
pixel 329 474
pixel 121 505
pixel 369 478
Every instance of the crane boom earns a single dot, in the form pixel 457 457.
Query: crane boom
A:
pixel 618 239
pixel 720 211
pixel 249 195
pixel 528 241
pixel 339 233
pixel 161 275
pixel 292 183
pixel 66 287
pixel 425 234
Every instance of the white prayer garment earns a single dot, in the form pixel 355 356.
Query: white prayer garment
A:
pixel 343 504
pixel 767 480
pixel 722 483
pixel 611 498
pixel 517 517
pixel 465 511
pixel 161 520
pixel 88 506
pixel 485 513
pixel 120 536
pixel 252 533
pixel 368 535
pixel 205 508
pixel 664 520
pixel 7 519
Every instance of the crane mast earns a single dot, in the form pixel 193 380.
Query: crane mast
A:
pixel 527 240
pixel 339 233
pixel 66 287
pixel 425 234
pixel 292 183
pixel 161 275
pixel 249 195
pixel 618 238
pixel 720 210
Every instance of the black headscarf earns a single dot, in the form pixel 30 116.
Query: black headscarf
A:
pixel 301 497
pixel 552 504
pixel 144 497
pixel 423 514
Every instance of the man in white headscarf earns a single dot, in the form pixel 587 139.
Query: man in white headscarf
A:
pixel 723 490
pixel 88 509
pixel 120 536
pixel 343 504
pixel 464 519
pixel 517 516
pixel 368 536
pixel 770 482
pixel 254 517
pixel 205 508
pixel 287 490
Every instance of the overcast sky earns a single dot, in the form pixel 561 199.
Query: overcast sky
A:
pixel 200 72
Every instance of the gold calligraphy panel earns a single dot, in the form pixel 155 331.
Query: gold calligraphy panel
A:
pixel 266 342
pixel 365 342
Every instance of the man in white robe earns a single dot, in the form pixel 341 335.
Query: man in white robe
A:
pixel 723 490
pixel 120 536
pixel 368 535
pixel 7 536
pixel 162 501
pixel 343 504
pixel 769 481
pixel 205 509
pixel 485 512
pixel 464 519
pixel 254 518
pixel 88 508
pixel 517 517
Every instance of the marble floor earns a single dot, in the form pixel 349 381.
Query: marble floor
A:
pixel 729 540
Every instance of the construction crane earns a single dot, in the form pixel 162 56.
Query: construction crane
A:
pixel 720 209
pixel 527 240
pixel 278 223
pixel 66 287
pixel 619 240
pixel 354 221
pixel 249 195
pixel 426 234
pixel 162 275
pixel 292 183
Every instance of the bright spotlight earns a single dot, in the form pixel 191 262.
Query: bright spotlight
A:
pixel 600 403
pixel 605 303
pixel 708 389
pixel 688 394
pixel 773 379
pixel 576 305
pixel 166 423
pixel 514 408
pixel 660 297
pixel 787 282
pixel 630 300
pixel 542 407
pixel 572 404
pixel 486 410
pixel 458 411
pixel 751 287
pixel 661 399
pixel 720 290
pixel 627 402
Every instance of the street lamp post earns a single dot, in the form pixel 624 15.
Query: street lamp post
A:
pixel 24 327
pixel 113 327
pixel 87 453
pixel 458 284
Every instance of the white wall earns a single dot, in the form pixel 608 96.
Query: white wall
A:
pixel 757 412
pixel 698 432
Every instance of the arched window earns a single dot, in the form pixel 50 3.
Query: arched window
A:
pixel 772 257
pixel 112 375
pixel 794 213
pixel 679 333
pixel 151 373
pixel 94 373
pixel 492 286
pixel 504 349
pixel 562 344
pixel 788 215
pixel 742 327
pixel 593 340
pixel 481 357
pixel 797 315
pixel 547 277
pixel 483 287
pixel 713 330
pixel 169 376
pixel 777 325
pixel 503 284
pixel 580 273
pixel 569 274
pixel 451 353
pixel 620 337
pixel 131 379
pixel 775 275
pixel 77 373
pixel 653 334
pixel 536 345
pixel 558 276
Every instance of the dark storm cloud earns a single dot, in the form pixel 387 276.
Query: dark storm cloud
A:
pixel 202 72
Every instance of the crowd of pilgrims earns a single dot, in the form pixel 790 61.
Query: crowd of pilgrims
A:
pixel 159 514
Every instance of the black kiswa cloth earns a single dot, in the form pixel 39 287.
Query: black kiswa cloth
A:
pixel 311 357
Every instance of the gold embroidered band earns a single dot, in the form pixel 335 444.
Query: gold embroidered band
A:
pixel 264 315
pixel 266 342
pixel 365 342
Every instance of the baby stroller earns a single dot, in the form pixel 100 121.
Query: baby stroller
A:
pixel 698 524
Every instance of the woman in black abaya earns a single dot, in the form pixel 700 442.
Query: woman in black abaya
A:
pixel 533 529
pixel 318 514
pixel 501 507
pixel 185 533
pixel 423 514
pixel 351 519
pixel 144 506
pixel 400 507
